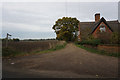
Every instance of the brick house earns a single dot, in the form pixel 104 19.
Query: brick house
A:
pixel 100 27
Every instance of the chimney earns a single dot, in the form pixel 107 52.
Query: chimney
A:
pixel 97 17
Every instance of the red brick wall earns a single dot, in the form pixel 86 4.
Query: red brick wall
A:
pixel 109 48
pixel 97 17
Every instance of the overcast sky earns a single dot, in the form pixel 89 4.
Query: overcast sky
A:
pixel 35 19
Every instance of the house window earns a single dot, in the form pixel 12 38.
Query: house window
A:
pixel 102 28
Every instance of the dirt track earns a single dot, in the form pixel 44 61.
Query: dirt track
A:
pixel 70 62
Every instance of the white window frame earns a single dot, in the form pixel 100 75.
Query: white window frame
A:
pixel 102 28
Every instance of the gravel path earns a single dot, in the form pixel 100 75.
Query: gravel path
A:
pixel 70 62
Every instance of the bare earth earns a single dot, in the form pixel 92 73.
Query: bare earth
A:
pixel 70 62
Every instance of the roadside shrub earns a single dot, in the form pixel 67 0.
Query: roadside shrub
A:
pixel 93 42
pixel 57 47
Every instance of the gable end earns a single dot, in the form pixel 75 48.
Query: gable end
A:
pixel 101 20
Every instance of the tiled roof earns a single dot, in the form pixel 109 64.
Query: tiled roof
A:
pixel 114 25
pixel 98 23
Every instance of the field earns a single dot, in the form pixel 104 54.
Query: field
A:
pixel 28 46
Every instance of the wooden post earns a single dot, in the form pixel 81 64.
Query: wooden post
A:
pixel 7 39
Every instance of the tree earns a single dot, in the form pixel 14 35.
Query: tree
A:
pixel 66 28
pixel 16 39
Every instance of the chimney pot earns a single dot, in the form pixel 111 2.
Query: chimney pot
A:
pixel 97 17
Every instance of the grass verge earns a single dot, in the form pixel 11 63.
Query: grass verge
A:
pixel 8 52
pixel 102 52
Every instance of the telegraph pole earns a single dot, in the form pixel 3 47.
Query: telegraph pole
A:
pixel 7 39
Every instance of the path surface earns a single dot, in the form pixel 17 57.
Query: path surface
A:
pixel 70 62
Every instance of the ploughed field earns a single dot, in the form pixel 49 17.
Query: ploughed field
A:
pixel 28 46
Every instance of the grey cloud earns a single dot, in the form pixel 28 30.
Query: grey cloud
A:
pixel 44 14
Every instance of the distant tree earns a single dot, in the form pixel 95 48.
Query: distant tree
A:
pixel 66 28
pixel 3 39
pixel 16 39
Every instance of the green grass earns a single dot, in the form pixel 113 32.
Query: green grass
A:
pixel 9 52
pixel 98 51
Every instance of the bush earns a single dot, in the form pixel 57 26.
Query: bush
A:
pixel 16 40
pixel 57 47
pixel 93 42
